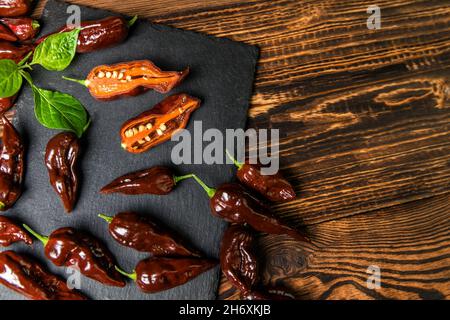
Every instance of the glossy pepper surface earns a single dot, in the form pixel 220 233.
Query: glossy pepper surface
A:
pixel 99 34
pixel 23 28
pixel 143 234
pixel 10 233
pixel 110 82
pixel 158 274
pixel 11 166
pixel 273 187
pixel 7 103
pixel 157 180
pixel 158 124
pixel 61 157
pixel 14 8
pixel 70 247
pixel 14 52
pixel 6 34
pixel 235 204
pixel 238 259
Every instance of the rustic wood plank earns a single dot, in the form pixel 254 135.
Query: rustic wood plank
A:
pixel 409 243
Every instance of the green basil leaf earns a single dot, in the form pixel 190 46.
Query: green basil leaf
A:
pixel 57 51
pixel 56 110
pixel 10 78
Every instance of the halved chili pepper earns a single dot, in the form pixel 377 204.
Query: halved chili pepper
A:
pixel 23 28
pixel 29 278
pixel 158 124
pixel 61 158
pixel 274 187
pixel 233 203
pixel 99 34
pixel 14 8
pixel 158 274
pixel 10 233
pixel 11 166
pixel 70 247
pixel 157 180
pixel 143 234
pixel 7 103
pixel 6 34
pixel 14 52
pixel 129 79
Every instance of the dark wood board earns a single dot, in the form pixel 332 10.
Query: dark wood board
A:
pixel 222 76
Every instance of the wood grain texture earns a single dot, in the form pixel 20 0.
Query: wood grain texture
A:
pixel 364 117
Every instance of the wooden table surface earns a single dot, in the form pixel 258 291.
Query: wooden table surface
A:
pixel 364 118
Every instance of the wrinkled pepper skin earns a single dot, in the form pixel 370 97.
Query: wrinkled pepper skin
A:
pixel 273 187
pixel 6 34
pixel 25 276
pixel 14 52
pixel 11 233
pixel 142 234
pixel 110 82
pixel 235 204
pixel 69 247
pixel 238 259
pixel 7 103
pixel 158 274
pixel 61 159
pixel 158 124
pixel 156 180
pixel 14 8
pixel 98 34
pixel 11 166
pixel 23 28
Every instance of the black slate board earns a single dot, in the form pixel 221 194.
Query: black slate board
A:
pixel 222 76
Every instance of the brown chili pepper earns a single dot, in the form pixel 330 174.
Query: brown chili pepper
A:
pixel 61 159
pixel 6 34
pixel 70 247
pixel 129 79
pixel 142 234
pixel 158 124
pixel 274 187
pixel 7 103
pixel 158 274
pixel 14 8
pixel 13 52
pixel 233 203
pixel 23 28
pixel 10 233
pixel 156 180
pixel 11 166
pixel 99 34
pixel 238 259
pixel 29 278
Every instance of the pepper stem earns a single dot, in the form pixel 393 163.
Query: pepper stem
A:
pixel 177 179
pixel 35 24
pixel 82 82
pixel 210 191
pixel 132 21
pixel 106 218
pixel 40 237
pixel 2 205
pixel 236 163
pixel 132 276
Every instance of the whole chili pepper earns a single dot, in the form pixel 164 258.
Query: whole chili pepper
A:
pixel 14 8
pixel 13 52
pixel 158 274
pixel 61 159
pixel 29 278
pixel 11 166
pixel 142 234
pixel 156 180
pixel 7 103
pixel 6 34
pixel 10 233
pixel 274 187
pixel 70 247
pixel 23 28
pixel 238 259
pixel 129 79
pixel 99 34
pixel 235 204
pixel 158 124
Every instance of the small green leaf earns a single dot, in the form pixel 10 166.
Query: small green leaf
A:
pixel 57 51
pixel 10 78
pixel 56 110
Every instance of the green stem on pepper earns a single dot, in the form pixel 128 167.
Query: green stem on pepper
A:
pixel 132 21
pixel 236 163
pixel 210 191
pixel 82 82
pixel 106 218
pixel 177 179
pixel 132 276
pixel 38 236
